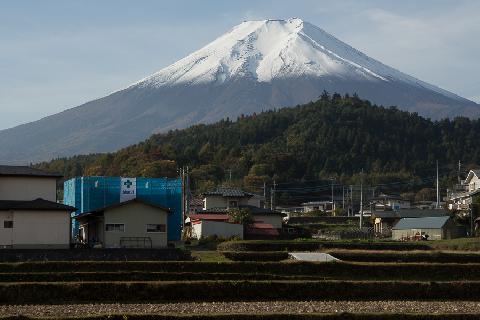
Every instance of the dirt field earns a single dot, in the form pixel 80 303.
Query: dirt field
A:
pixel 244 307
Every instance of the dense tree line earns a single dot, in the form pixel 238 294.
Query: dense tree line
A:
pixel 334 136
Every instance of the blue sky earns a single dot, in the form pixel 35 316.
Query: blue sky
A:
pixel 58 54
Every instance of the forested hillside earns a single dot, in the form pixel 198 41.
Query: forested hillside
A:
pixel 333 137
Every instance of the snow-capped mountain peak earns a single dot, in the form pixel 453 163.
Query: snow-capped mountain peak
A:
pixel 271 49
pixel 266 50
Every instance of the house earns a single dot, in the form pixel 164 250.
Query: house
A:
pixel 266 224
pixel 134 223
pixel 30 216
pixel 385 202
pixel 384 221
pixel 214 219
pixel 429 228
pixel 225 197
pixel 195 205
pixel 462 194
pixel 204 225
pixel 326 206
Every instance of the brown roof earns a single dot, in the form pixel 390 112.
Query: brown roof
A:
pixel 24 171
pixel 38 204
pixel 136 200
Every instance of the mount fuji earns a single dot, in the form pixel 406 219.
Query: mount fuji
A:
pixel 258 65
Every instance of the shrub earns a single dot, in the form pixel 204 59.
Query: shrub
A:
pixel 125 292
pixel 317 245
pixel 407 256
pixel 255 255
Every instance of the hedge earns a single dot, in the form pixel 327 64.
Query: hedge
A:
pixel 137 292
pixel 255 255
pixel 208 270
pixel 407 256
pixel 262 245
pixel 364 256
pixel 140 276
pixel 89 254
pixel 322 316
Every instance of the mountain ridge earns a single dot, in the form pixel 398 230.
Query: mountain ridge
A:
pixel 258 65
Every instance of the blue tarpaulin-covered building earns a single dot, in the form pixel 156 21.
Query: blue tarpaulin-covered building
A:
pixel 92 193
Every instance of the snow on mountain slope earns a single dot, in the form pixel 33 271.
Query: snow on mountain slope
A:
pixel 258 65
pixel 272 49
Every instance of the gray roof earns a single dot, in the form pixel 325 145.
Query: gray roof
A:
pixel 228 192
pixel 120 204
pixel 24 171
pixel 254 211
pixel 411 213
pixel 35 205
pixel 421 223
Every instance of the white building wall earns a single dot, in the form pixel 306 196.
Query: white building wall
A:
pixel 221 229
pixel 214 202
pixel 434 234
pixel 135 217
pixel 28 188
pixel 474 183
pixel 35 229
pixel 256 201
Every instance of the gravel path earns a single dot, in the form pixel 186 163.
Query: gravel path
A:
pixel 245 307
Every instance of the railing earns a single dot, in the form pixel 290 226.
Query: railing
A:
pixel 136 242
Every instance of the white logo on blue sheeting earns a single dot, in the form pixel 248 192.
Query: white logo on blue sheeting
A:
pixel 128 189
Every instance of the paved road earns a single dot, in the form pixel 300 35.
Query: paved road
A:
pixel 246 307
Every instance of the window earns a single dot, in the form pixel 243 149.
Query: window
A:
pixel 116 227
pixel 8 224
pixel 233 204
pixel 156 228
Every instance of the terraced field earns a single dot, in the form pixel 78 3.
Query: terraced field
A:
pixel 369 284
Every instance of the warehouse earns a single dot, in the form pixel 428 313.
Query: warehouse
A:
pixel 427 228
pixel 89 194
pixel 130 224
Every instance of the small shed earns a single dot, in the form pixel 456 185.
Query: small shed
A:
pixel 431 228
pixel 130 224
pixel 205 225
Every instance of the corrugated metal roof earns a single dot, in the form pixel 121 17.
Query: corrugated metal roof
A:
pixel 421 223
pixel 312 256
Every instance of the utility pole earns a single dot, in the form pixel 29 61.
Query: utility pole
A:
pixel 351 201
pixel 182 176
pixel 333 203
pixel 459 171
pixel 361 200
pixel 187 191
pixel 438 191
pixel 272 195
pixel 471 220
pixel 343 198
